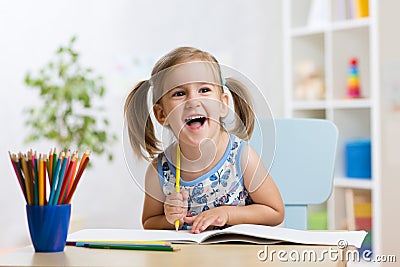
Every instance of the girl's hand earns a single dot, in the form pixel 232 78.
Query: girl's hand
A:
pixel 217 217
pixel 175 207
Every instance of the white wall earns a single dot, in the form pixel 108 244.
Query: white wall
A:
pixel 111 36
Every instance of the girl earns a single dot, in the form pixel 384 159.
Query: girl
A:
pixel 223 181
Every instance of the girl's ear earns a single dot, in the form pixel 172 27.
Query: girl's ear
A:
pixel 160 114
pixel 224 105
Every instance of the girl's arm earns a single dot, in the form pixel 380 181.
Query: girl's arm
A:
pixel 153 216
pixel 268 208
pixel 153 209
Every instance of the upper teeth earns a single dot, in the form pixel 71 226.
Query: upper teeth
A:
pixel 193 118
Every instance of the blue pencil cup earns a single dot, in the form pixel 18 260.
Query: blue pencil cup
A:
pixel 48 226
pixel 358 158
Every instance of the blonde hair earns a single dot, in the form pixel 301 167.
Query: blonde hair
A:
pixel 140 127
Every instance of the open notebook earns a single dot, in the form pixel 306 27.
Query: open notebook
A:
pixel 250 233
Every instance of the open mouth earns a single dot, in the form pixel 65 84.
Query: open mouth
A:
pixel 195 121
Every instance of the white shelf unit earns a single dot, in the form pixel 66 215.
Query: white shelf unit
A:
pixel 330 45
pixel 345 182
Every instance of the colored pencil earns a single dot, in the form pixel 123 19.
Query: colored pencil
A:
pixel 21 171
pixel 73 175
pixel 18 163
pixel 84 244
pixel 17 171
pixel 178 178
pixel 60 179
pixel 54 169
pixel 50 165
pixel 79 243
pixel 130 247
pixel 45 160
pixel 84 156
pixel 54 180
pixel 28 179
pixel 76 180
pixel 65 180
pixel 41 182
pixel 33 169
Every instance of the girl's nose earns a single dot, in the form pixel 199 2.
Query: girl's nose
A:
pixel 193 102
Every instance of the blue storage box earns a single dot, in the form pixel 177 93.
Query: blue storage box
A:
pixel 358 158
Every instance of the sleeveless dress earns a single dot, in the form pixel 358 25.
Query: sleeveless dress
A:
pixel 223 185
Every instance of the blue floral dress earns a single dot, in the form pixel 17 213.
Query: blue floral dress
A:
pixel 223 185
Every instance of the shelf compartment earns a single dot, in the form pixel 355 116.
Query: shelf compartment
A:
pixel 308 55
pixel 344 11
pixel 347 44
pixel 309 48
pixel 352 123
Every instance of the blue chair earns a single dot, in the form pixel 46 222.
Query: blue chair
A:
pixel 302 165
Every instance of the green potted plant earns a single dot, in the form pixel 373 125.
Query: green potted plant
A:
pixel 66 113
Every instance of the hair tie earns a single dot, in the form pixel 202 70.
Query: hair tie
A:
pixel 223 81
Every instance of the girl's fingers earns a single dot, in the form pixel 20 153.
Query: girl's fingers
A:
pixel 174 203
pixel 175 209
pixel 195 221
pixel 175 196
pixel 174 212
pixel 175 206
pixel 190 219
pixel 201 223
pixel 177 200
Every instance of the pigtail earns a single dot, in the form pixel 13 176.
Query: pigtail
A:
pixel 140 127
pixel 243 104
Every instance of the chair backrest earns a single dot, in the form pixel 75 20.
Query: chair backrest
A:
pixel 302 164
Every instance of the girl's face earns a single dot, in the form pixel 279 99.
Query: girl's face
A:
pixel 193 111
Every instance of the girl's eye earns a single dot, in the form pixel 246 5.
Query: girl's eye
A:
pixel 178 93
pixel 204 90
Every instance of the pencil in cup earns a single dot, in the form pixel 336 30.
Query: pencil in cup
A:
pixel 18 172
pixel 82 166
pixel 31 170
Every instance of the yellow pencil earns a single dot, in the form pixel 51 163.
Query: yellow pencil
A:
pixel 41 184
pixel 178 178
